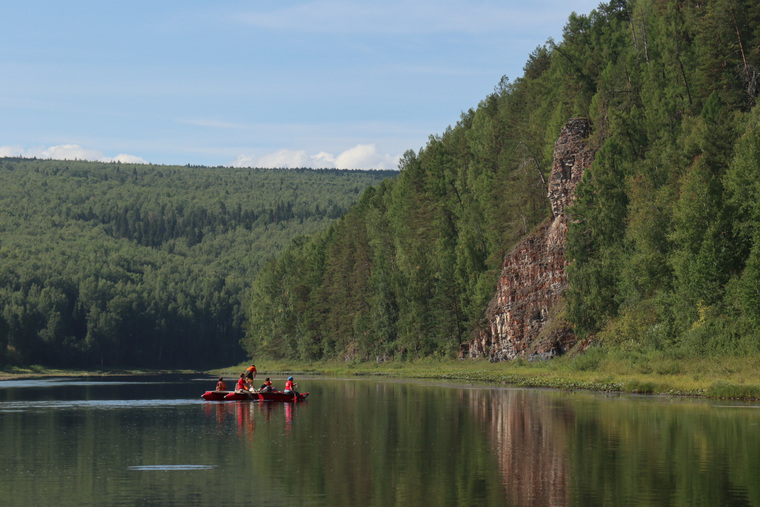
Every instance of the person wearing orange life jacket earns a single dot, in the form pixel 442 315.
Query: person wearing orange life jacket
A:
pixel 251 372
pixel 221 385
pixel 267 387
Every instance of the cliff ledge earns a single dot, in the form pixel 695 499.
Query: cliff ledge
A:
pixel 524 317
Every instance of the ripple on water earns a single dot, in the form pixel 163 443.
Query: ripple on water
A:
pixel 170 467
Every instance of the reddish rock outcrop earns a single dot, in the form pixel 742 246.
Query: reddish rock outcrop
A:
pixel 521 316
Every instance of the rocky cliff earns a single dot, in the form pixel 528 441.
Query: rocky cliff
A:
pixel 524 317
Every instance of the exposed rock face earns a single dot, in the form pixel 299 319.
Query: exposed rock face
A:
pixel 533 274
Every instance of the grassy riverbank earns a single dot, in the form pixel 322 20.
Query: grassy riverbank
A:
pixel 598 370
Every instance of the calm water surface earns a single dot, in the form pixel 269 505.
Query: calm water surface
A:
pixel 154 441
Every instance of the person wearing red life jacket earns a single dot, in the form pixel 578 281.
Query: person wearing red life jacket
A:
pixel 242 385
pixel 290 387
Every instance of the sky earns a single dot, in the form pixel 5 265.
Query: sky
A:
pixel 256 83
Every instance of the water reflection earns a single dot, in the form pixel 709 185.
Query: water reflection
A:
pixel 246 413
pixel 529 433
pixel 585 449
pixel 19 406
pixel 372 442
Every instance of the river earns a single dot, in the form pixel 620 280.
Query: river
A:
pixel 127 441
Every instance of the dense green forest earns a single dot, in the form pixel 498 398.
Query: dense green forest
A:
pixel 664 241
pixel 120 265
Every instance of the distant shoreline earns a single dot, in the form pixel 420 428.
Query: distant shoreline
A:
pixel 721 378
pixel 41 372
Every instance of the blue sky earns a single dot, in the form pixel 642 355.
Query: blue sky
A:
pixel 257 83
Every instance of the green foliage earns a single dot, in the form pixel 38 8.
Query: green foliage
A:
pixel 663 239
pixel 596 240
pixel 408 272
pixel 145 266
pixel 722 389
pixel 141 265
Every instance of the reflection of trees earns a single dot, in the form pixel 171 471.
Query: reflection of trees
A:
pixel 672 453
pixel 559 449
pixel 385 443
pixel 529 431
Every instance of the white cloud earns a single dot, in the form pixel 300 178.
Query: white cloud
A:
pixel 127 159
pixel 362 156
pixel 68 152
pixel 11 151
pixel 365 156
pixel 244 161
pixel 323 159
pixel 285 158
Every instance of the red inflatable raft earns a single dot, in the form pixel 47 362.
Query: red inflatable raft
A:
pixel 251 396
pixel 241 395
pixel 280 396
pixel 215 395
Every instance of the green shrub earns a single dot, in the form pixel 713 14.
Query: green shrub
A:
pixel 588 361
pixel 723 389
pixel 635 386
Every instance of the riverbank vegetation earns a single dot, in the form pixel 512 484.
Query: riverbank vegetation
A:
pixel 605 370
pixel 144 266
pixel 664 237
pixel 602 369
pixel 151 266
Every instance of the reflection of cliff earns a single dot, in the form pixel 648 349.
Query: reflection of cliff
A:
pixel 528 431
pixel 520 316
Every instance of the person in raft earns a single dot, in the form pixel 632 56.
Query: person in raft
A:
pixel 242 385
pixel 290 387
pixel 221 385
pixel 266 387
pixel 251 372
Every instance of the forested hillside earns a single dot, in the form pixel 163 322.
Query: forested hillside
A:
pixel 123 265
pixel 664 241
